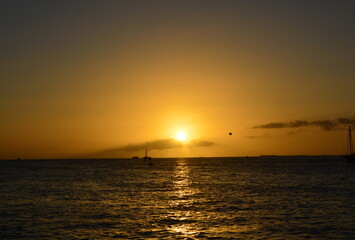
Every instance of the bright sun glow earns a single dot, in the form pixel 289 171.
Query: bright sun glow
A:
pixel 180 136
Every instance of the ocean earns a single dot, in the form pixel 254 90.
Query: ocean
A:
pixel 266 197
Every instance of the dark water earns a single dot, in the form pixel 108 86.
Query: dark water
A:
pixel 209 198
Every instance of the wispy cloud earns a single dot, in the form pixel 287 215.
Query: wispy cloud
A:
pixel 294 132
pixel 261 136
pixel 159 144
pixel 199 143
pixel 327 125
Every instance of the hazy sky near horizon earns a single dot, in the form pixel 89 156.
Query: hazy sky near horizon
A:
pixel 102 78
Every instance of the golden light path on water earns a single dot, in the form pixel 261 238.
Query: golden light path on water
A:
pixel 190 206
pixel 183 199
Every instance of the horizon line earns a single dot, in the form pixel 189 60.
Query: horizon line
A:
pixel 118 158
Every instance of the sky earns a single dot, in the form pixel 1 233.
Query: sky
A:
pixel 82 79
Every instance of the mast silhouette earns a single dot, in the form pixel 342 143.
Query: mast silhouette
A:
pixel 350 157
pixel 146 157
pixel 350 142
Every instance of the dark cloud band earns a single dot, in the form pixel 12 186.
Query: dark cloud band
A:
pixel 159 144
pixel 326 125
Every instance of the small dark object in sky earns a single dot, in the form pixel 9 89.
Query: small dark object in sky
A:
pixel 230 133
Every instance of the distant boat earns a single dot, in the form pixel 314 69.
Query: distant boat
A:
pixel 350 156
pixel 147 158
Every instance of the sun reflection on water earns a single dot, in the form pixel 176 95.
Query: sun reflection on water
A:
pixel 182 215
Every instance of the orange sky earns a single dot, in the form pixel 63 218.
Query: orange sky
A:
pixel 90 79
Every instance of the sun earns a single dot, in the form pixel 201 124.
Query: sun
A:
pixel 180 136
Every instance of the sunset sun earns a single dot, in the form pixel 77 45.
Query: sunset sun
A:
pixel 180 136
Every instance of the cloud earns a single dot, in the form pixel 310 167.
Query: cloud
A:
pixel 199 143
pixel 261 136
pixel 293 132
pixel 160 144
pixel 272 125
pixel 326 125
pixel 298 123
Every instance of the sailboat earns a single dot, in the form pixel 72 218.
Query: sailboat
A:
pixel 147 158
pixel 350 156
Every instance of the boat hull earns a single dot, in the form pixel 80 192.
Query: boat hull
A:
pixel 350 158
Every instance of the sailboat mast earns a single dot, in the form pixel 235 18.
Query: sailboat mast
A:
pixel 350 142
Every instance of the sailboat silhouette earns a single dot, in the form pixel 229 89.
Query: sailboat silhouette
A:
pixel 350 156
pixel 147 158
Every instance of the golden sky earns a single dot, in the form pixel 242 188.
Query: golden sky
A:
pixel 104 78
